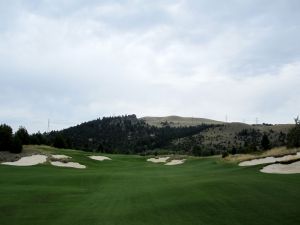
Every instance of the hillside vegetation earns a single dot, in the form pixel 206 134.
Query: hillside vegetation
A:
pixel 172 135
pixel 234 137
pixel 122 134
pixel 128 134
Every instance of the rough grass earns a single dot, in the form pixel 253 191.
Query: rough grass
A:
pixel 129 190
pixel 276 152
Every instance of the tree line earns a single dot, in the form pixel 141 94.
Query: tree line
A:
pixel 13 142
pixel 129 135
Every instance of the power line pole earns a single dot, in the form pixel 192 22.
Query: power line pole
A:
pixel 48 130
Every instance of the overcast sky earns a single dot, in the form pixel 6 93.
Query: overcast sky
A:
pixel 76 60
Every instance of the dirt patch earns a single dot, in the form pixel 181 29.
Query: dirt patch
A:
pixel 28 161
pixel 282 168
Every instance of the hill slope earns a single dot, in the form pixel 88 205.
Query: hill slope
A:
pixel 239 136
pixel 177 121
pixel 123 134
pixel 183 135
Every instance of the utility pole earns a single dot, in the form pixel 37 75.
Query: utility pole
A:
pixel 256 120
pixel 48 130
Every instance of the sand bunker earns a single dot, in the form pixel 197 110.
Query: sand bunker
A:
pixel 165 159
pixel 269 160
pixel 38 159
pixel 99 158
pixel 61 157
pixel 68 164
pixel 28 161
pixel 282 168
pixel 158 160
pixel 175 162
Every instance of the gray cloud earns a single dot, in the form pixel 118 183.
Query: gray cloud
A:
pixel 72 61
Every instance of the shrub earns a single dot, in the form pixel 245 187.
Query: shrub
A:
pixel 225 154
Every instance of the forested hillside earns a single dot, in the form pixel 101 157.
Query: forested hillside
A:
pixel 130 135
pixel 234 138
pixel 122 134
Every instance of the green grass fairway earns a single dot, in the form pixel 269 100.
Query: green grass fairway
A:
pixel 130 191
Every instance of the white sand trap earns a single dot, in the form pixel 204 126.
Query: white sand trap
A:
pixel 158 160
pixel 28 161
pixel 269 160
pixel 99 158
pixel 282 168
pixel 61 157
pixel 175 162
pixel 68 164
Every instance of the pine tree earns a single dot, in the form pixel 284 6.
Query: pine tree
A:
pixel 6 138
pixel 23 135
pixel 265 142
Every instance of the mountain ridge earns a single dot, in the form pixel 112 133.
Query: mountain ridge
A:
pixel 177 121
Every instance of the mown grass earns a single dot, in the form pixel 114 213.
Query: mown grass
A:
pixel 129 190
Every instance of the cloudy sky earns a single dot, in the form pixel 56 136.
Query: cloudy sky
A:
pixel 76 60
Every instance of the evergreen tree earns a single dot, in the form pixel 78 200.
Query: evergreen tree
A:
pixel 23 135
pixel 233 150
pixel 38 139
pixel 265 142
pixel 6 138
pixel 293 136
pixel 17 145
pixel 59 142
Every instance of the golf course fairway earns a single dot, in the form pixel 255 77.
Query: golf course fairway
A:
pixel 128 190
